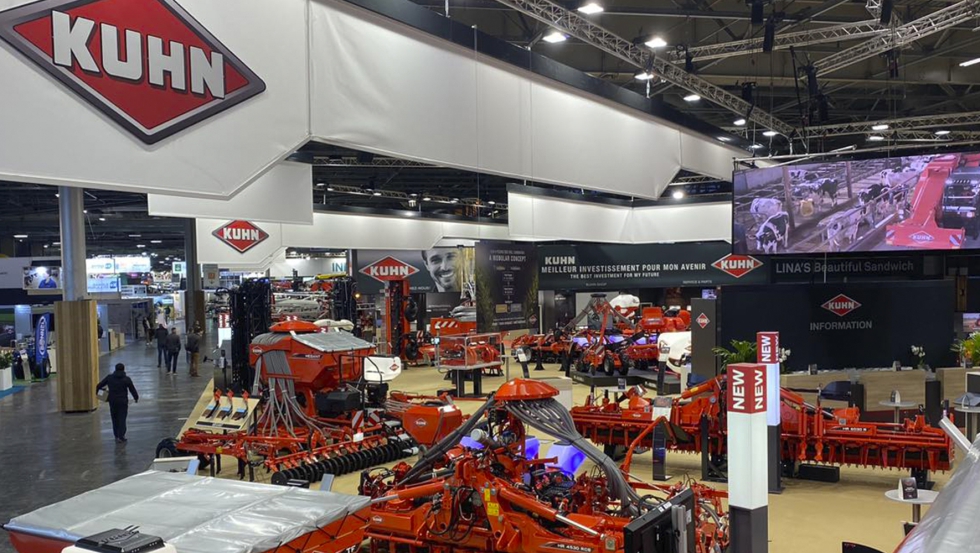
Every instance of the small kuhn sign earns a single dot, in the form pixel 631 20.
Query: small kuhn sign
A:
pixel 703 320
pixel 737 265
pixel 922 236
pixel 241 235
pixel 147 64
pixel 840 305
pixel 388 269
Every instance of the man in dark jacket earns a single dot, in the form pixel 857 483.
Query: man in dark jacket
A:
pixel 147 330
pixel 161 335
pixel 193 348
pixel 119 386
pixel 173 350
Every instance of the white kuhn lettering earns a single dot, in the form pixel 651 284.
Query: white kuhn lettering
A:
pixel 250 234
pixel 760 391
pixel 738 391
pixel 71 43
pixel 386 271
pixel 843 305
pixel 730 264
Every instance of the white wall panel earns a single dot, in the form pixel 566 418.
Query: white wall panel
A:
pixel 707 157
pixel 212 250
pixel 50 135
pixel 381 86
pixel 542 218
pixel 284 194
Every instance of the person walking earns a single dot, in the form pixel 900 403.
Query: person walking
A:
pixel 167 313
pixel 193 347
pixel 161 335
pixel 147 330
pixel 120 386
pixel 173 350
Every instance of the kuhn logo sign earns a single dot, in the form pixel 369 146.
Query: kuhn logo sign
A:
pixel 241 235
pixel 388 269
pixel 737 265
pixel 921 236
pixel 840 305
pixel 147 64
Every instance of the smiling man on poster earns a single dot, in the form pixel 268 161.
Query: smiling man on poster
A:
pixel 441 263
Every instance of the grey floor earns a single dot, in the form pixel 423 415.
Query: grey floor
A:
pixel 47 456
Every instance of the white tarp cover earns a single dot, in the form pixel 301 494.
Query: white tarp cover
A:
pixel 194 514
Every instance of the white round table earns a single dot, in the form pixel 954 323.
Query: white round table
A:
pixel 926 497
pixel 898 406
pixel 972 415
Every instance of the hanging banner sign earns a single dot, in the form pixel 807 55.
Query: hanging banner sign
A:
pixel 506 286
pixel 432 270
pixel 809 269
pixel 612 266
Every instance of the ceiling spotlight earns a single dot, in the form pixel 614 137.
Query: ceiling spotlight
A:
pixel 156 241
pixel 769 134
pixel 134 235
pixel 20 236
pixel 876 138
pixel 56 243
pixel 376 194
pixel 491 202
pixel 881 127
pixel 942 133
pixel 320 184
pixel 554 37
pixel 154 254
pixel 329 189
pixel 678 194
pixel 426 199
pixel 968 63
pixel 739 122
pixel 45 245
pixel 144 254
pixel 590 9
pixel 454 200
pixel 643 76
pixel 692 98
pixel 56 195
pixel 725 138
pixel 414 195
pixel 84 211
pixel 140 245
pixel 755 146
pixel 102 219
pixel 656 42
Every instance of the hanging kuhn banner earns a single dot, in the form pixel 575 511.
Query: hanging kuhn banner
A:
pixel 506 286
pixel 241 235
pixel 432 270
pixel 619 266
pixel 147 64
pixel 838 326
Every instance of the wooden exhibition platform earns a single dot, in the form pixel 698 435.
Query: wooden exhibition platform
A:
pixel 878 384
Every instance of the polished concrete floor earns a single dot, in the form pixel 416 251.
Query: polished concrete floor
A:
pixel 47 456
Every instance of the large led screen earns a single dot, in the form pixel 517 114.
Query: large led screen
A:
pixel 888 204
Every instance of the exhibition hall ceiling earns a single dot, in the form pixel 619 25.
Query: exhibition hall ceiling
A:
pixel 928 74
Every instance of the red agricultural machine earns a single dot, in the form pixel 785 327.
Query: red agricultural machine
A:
pixel 810 433
pixel 323 409
pixel 489 494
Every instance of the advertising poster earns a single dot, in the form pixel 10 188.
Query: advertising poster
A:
pixel 840 326
pixel 831 269
pixel 621 266
pixel 506 286
pixel 42 279
pixel 432 270
pixel 926 202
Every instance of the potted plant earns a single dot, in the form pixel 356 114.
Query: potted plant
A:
pixel 920 354
pixel 742 351
pixel 968 350
pixel 6 360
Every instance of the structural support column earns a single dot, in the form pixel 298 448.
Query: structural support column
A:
pixel 71 209
pixel 193 295
pixel 748 470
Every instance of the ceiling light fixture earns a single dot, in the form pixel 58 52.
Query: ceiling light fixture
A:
pixel 376 194
pixel 656 42
pixel 739 122
pixel 45 246
pixel 156 241
pixel 329 189
pixel 881 127
pixel 20 236
pixel 491 202
pixel 942 132
pixel 321 184
pixel 968 63
pixel 725 138
pixel 643 76
pixel 554 37
pixel 755 146
pixel 692 98
pixel 769 134
pixel 102 219
pixel 140 245
pixel 56 243
pixel 590 9
pixel 876 138
pixel 678 194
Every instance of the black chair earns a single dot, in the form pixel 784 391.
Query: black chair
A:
pixel 848 547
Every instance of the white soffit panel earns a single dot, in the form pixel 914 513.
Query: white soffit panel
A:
pixel 211 249
pixel 707 157
pixel 682 223
pixel 51 135
pixel 284 194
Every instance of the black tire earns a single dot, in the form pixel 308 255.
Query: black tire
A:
pixel 625 364
pixel 167 448
pixel 580 366
pixel 279 478
pixel 608 365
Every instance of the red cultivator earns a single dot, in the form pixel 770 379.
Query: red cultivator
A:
pixel 810 434
pixel 318 414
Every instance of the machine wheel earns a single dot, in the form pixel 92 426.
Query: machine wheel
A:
pixel 608 365
pixel 167 448
pixel 580 366
pixel 625 364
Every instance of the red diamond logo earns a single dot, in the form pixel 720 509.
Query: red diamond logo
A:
pixel 241 235
pixel 921 236
pixel 840 305
pixel 389 269
pixel 737 265
pixel 703 320
pixel 147 64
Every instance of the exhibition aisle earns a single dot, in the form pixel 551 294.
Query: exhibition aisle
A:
pixel 51 457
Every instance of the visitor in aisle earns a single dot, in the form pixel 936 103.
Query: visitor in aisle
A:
pixel 193 347
pixel 161 335
pixel 173 350
pixel 120 386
